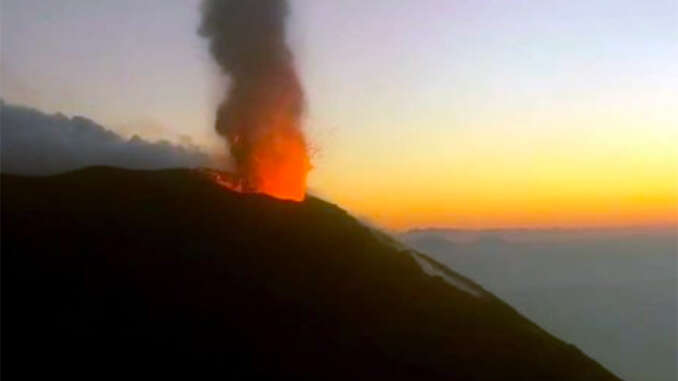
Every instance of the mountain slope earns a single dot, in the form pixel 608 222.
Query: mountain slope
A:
pixel 114 272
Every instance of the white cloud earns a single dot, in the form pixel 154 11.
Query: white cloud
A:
pixel 35 143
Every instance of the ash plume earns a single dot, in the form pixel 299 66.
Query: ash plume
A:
pixel 260 115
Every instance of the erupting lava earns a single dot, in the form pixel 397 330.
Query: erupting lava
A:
pixel 280 165
pixel 260 117
pixel 262 126
pixel 277 166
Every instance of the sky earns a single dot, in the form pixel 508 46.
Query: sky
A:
pixel 471 114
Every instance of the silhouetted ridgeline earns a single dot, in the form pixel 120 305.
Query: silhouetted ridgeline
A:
pixel 149 273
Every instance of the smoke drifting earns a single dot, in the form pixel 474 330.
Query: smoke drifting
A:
pixel 260 117
pixel 34 143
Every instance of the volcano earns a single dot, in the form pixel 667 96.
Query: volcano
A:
pixel 118 273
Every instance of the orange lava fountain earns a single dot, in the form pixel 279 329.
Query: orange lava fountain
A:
pixel 280 165
pixel 278 168
pixel 266 142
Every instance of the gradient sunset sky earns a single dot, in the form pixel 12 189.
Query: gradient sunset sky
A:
pixel 472 114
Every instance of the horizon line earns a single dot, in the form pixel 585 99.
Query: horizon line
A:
pixel 662 226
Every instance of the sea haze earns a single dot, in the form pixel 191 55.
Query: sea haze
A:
pixel 612 293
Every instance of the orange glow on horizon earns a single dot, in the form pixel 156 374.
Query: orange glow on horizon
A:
pixel 562 179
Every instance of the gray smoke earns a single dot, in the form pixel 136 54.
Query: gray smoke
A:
pixel 247 39
pixel 35 143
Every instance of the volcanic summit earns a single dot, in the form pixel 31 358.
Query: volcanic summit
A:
pixel 112 273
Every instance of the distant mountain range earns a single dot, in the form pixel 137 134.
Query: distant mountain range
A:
pixel 110 273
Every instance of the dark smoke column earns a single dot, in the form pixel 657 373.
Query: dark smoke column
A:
pixel 260 117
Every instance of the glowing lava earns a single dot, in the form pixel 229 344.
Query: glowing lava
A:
pixel 266 141
pixel 277 164
pixel 280 164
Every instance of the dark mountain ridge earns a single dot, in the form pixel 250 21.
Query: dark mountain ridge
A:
pixel 111 272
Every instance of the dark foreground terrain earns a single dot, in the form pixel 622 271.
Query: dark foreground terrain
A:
pixel 115 273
